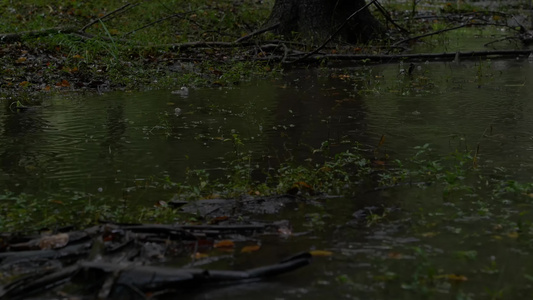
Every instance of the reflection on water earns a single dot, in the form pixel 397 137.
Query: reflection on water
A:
pixel 104 144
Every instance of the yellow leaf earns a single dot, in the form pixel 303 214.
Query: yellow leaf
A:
pixel 225 244
pixel 429 234
pixel 395 255
pixel 513 235
pixel 453 277
pixel 248 249
pixel 199 255
pixel 381 141
pixel 321 253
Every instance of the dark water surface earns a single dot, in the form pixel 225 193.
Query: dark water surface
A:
pixel 106 144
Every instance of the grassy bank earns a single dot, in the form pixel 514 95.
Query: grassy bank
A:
pixel 100 45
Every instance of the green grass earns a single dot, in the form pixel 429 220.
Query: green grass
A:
pixel 132 48
pixel 194 20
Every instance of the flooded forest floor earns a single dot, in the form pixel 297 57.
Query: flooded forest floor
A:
pixel 151 150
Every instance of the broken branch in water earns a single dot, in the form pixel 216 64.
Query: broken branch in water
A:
pixel 110 277
pixel 379 58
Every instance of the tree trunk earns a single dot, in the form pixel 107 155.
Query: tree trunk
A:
pixel 316 20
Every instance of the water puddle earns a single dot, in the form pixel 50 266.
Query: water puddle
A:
pixel 405 242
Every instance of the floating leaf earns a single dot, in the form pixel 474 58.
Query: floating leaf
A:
pixel 321 253
pixel 161 203
pixel 248 249
pixel 513 235
pixel 429 234
pixel 395 255
pixel 381 141
pixel 303 184
pixel 470 254
pixel 225 244
pixel 453 277
pixel 63 83
pixel 21 60
pixel 284 231
pixel 218 219
pixel 199 255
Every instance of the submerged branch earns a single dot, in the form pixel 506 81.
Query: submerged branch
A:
pixel 406 57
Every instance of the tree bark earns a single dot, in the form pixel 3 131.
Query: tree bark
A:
pixel 316 20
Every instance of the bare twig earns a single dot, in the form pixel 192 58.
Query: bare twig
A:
pixel 14 37
pixel 153 23
pixel 444 30
pixel 429 34
pixel 106 16
pixel 248 36
pixel 335 33
pixel 181 15
pixel 508 38
pixel 388 17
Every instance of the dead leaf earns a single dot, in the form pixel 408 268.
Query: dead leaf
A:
pixel 453 277
pixel 161 203
pixel 381 141
pixel 284 231
pixel 218 219
pixel 395 255
pixel 248 249
pixel 320 253
pixel 224 244
pixel 63 83
pixel 513 235
pixel 199 255
pixel 379 162
pixel 429 234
